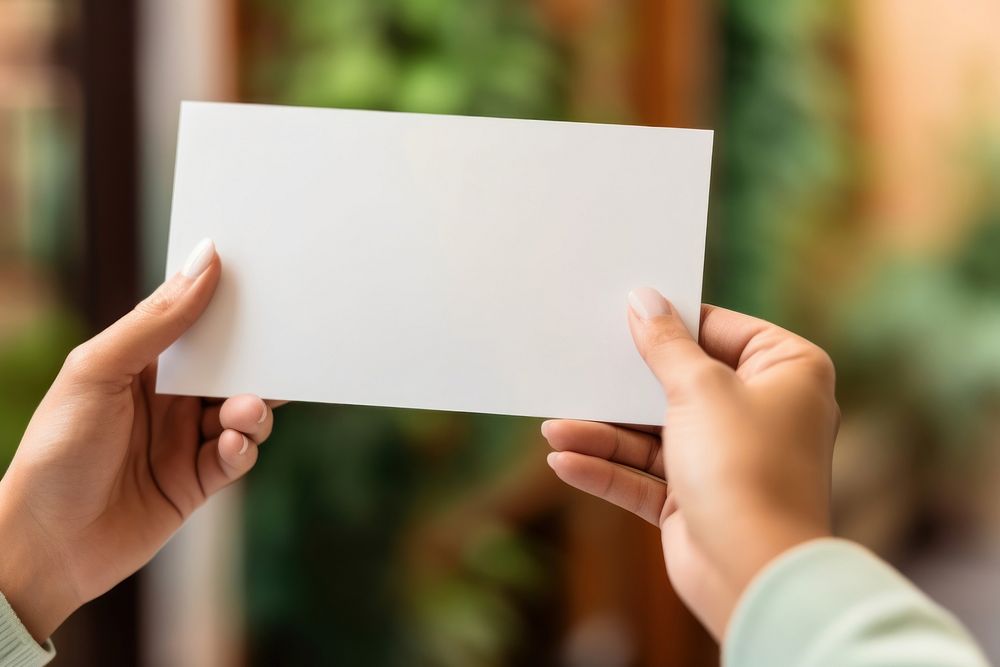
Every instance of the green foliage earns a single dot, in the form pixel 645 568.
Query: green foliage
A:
pixel 28 364
pixel 437 56
pixel 336 511
pixel 782 152
pixel 920 340
pixel 464 613
pixel 340 512
pixel 916 341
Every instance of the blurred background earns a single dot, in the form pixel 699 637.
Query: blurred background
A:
pixel 855 200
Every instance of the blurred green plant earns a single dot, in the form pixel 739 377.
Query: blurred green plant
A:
pixel 29 361
pixel 914 336
pixel 464 611
pixel 784 153
pixel 921 336
pixel 344 563
pixel 343 567
pixel 436 56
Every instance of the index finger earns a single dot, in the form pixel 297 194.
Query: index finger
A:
pixel 726 335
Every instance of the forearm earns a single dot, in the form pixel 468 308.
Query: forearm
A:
pixel 830 603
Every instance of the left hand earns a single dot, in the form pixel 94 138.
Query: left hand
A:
pixel 108 469
pixel 740 472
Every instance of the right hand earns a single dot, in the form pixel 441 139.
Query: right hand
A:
pixel 741 471
pixel 108 468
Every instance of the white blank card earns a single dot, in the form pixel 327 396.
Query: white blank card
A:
pixel 439 262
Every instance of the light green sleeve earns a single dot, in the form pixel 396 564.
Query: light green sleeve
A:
pixel 17 647
pixel 832 603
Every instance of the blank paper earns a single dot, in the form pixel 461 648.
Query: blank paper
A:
pixel 440 262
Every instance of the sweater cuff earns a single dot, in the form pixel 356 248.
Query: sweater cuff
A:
pixel 17 647
pixel 818 600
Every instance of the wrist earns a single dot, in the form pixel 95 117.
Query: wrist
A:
pixel 765 538
pixel 773 540
pixel 754 536
pixel 31 577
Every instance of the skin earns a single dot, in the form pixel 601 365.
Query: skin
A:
pixel 108 470
pixel 740 472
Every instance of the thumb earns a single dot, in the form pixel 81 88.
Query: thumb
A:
pixel 668 347
pixel 125 348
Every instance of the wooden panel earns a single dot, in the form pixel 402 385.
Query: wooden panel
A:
pixel 110 159
pixel 104 632
pixel 674 61
pixel 650 62
pixel 928 80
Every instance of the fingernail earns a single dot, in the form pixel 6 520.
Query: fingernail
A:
pixel 552 458
pixel 545 429
pixel 647 303
pixel 263 415
pixel 199 259
pixel 246 445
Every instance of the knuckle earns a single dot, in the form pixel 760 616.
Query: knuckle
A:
pixel 702 379
pixel 265 431
pixel 185 319
pixel 155 305
pixel 810 359
pixel 821 365
pixel 709 375
pixel 641 500
pixel 610 484
pixel 80 360
pixel 667 336
pixel 163 303
pixel 664 351
pixel 822 372
pixel 158 303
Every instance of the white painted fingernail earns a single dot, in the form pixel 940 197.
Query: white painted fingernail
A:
pixel 647 303
pixel 199 259
pixel 246 445
pixel 263 415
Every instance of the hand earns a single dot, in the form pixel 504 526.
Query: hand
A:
pixel 108 469
pixel 741 471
